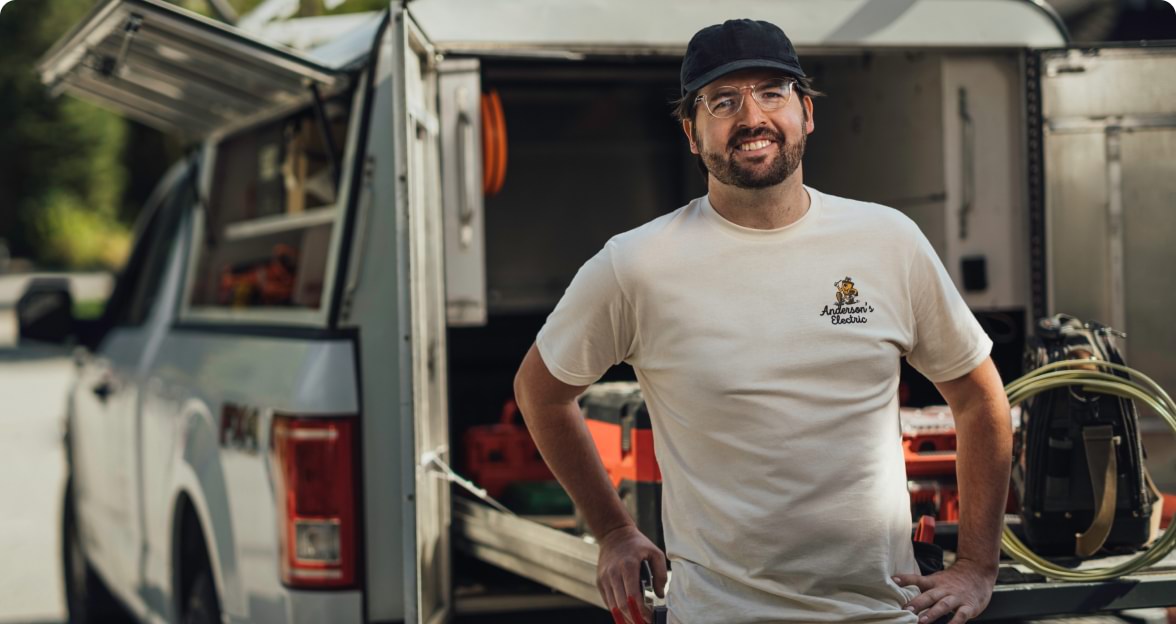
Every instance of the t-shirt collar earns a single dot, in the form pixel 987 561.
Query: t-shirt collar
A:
pixel 754 233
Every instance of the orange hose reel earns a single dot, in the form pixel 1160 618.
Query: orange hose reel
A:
pixel 493 144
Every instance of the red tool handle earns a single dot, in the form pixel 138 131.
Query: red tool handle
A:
pixel 926 530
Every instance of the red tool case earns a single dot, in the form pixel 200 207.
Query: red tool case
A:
pixel 619 423
pixel 499 455
pixel 929 448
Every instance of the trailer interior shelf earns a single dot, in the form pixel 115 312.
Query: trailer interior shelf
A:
pixel 274 224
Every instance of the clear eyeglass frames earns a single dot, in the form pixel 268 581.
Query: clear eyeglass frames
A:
pixel 727 101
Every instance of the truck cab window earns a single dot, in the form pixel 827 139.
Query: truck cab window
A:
pixel 272 207
pixel 139 284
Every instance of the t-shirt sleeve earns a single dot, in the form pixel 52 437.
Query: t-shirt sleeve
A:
pixel 592 327
pixel 948 340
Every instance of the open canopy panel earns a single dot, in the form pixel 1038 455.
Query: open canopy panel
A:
pixel 665 26
pixel 175 70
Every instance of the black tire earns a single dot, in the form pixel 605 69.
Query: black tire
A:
pixel 86 597
pixel 202 606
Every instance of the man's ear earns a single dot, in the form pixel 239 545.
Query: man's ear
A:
pixel 809 124
pixel 688 128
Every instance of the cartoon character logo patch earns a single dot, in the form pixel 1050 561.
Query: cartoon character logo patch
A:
pixel 846 293
pixel 847 309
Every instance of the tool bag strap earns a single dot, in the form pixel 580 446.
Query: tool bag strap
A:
pixel 1100 445
pixel 1157 508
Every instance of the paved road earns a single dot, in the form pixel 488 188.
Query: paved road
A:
pixel 31 402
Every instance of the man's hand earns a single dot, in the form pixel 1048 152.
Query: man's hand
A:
pixel 618 573
pixel 965 588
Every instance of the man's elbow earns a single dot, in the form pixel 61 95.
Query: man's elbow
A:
pixel 520 389
pixel 528 381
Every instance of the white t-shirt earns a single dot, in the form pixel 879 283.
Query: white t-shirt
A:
pixel 774 410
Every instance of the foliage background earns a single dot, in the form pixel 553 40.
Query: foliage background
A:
pixel 69 194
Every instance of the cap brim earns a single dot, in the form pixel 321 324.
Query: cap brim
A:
pixel 727 68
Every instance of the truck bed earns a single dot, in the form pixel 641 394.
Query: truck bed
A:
pixel 567 563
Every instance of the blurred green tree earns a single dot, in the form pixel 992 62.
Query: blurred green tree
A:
pixel 61 177
pixel 73 176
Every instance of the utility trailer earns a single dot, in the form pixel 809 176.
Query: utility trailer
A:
pixel 330 257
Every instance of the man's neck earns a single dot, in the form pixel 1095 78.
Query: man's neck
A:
pixel 768 208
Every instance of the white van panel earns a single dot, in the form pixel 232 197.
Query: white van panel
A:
pixel 987 198
pixel 667 25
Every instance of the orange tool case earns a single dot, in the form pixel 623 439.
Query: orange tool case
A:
pixel 619 423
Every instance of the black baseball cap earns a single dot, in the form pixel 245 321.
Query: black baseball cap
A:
pixel 733 45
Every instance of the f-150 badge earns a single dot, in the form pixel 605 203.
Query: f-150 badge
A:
pixel 239 427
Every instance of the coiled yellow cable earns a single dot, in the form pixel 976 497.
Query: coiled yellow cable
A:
pixel 1138 387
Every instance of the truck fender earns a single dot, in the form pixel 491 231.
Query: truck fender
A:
pixel 199 478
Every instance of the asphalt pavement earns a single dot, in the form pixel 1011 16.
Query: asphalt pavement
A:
pixel 32 397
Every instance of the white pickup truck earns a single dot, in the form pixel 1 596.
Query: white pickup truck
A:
pixel 342 277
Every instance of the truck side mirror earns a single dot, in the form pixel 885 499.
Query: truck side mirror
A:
pixel 45 311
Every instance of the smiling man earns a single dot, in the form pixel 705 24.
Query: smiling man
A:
pixel 765 322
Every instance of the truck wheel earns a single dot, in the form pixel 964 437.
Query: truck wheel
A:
pixel 86 597
pixel 202 607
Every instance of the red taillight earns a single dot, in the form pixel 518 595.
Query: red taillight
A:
pixel 314 466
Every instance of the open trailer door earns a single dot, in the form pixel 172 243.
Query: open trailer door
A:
pixel 418 208
pixel 177 71
pixel 1103 218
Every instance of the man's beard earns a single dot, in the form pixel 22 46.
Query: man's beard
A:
pixel 725 169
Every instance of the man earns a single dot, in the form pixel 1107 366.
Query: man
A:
pixel 774 403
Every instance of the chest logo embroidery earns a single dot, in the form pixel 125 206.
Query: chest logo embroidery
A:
pixel 848 307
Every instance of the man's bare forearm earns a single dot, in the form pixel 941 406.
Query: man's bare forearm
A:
pixel 983 462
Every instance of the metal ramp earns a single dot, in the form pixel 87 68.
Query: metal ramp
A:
pixel 532 550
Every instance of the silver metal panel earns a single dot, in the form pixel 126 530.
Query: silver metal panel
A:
pixel 1110 123
pixel 587 26
pixel 556 559
pixel 1076 225
pixel 1100 124
pixel 175 70
pixel 461 186
pixel 376 303
pixel 1149 222
pixel 421 242
pixel 1103 83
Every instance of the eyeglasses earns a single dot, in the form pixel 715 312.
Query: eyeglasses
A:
pixel 726 102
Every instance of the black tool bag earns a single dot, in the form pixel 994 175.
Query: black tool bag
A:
pixel 1080 474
